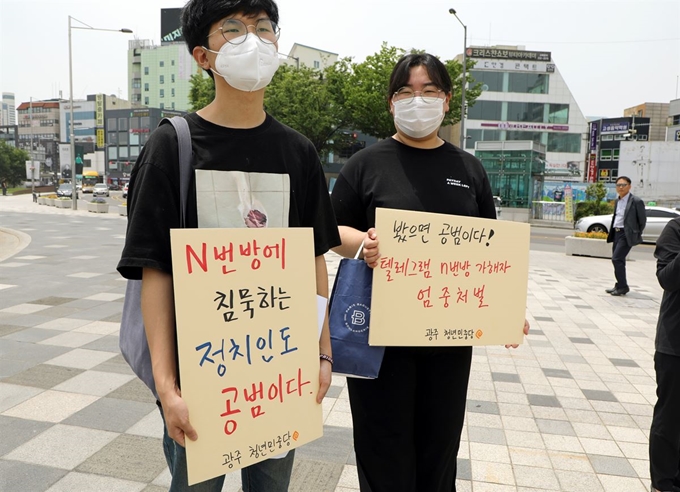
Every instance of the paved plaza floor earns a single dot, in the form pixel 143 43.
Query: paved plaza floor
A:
pixel 569 410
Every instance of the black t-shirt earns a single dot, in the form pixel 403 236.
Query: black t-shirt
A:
pixel 265 176
pixel 667 255
pixel 389 174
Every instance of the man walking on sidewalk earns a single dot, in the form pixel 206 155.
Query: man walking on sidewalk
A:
pixel 664 436
pixel 628 222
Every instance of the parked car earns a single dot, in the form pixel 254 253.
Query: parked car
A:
pixel 125 190
pixel 100 189
pixel 66 190
pixel 657 218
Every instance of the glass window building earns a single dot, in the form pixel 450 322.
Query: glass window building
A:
pixel 524 99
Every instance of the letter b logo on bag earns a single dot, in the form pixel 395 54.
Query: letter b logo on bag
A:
pixel 357 316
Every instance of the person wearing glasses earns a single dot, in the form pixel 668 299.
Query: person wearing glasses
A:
pixel 628 222
pixel 236 146
pixel 408 421
pixel 664 435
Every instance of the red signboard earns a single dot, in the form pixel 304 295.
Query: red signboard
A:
pixel 592 168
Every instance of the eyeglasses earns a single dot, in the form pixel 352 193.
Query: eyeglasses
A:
pixel 622 185
pixel 430 95
pixel 235 32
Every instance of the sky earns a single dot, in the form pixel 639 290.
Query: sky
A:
pixel 612 54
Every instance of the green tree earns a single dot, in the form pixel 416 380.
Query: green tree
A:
pixel 594 204
pixel 361 88
pixel 596 192
pixel 202 90
pixel 12 164
pixel 473 91
pixel 301 99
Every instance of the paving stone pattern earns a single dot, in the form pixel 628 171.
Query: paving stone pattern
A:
pixel 568 410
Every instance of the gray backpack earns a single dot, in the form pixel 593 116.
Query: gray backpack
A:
pixel 133 343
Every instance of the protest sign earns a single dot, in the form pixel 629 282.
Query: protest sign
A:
pixel 448 280
pixel 246 308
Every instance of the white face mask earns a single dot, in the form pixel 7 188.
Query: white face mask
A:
pixel 248 66
pixel 416 118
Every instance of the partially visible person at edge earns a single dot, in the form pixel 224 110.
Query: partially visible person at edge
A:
pixel 664 436
pixel 628 222
pixel 232 139
pixel 408 421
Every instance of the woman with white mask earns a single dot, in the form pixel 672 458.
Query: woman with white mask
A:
pixel 408 421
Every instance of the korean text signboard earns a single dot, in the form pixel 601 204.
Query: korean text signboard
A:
pixel 448 280
pixel 501 54
pixel 245 302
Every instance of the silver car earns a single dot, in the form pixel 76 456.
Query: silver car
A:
pixel 657 218
pixel 100 189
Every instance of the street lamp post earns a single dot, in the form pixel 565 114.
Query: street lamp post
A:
pixel 462 107
pixel 72 146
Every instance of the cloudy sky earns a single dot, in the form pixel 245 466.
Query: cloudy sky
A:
pixel 612 54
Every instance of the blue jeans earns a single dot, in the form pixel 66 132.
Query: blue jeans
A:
pixel 265 476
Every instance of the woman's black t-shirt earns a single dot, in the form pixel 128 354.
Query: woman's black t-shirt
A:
pixel 389 174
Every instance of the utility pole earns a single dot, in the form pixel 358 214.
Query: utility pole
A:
pixel 30 155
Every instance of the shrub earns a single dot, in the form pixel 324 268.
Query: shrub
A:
pixel 98 200
pixel 591 235
pixel 588 208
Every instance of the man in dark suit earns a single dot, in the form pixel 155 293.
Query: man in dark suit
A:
pixel 628 222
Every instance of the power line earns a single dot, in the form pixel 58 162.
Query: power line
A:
pixel 578 42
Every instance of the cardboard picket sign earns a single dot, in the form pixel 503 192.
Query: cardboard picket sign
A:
pixel 448 280
pixel 246 309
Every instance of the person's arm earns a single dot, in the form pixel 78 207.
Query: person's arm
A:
pixel 667 253
pixel 669 275
pixel 641 214
pixel 158 311
pixel 325 368
pixel 351 240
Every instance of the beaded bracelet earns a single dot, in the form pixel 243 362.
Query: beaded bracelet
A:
pixel 326 357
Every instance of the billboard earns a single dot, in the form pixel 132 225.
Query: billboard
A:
pixel 617 126
pixel 501 54
pixel 171 28
pixel 593 136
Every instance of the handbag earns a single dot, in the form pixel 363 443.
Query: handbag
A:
pixel 349 319
pixel 133 344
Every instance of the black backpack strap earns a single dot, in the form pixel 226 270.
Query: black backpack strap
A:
pixel 185 158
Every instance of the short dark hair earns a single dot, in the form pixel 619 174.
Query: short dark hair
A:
pixel 198 15
pixel 625 178
pixel 434 67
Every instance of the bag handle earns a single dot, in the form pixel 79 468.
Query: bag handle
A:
pixel 185 168
pixel 361 246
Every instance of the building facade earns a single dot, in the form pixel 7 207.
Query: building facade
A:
pixel 654 168
pixel 127 130
pixel 9 134
pixel 159 76
pixel 8 115
pixel 39 128
pixel 524 97
pixel 604 145
pixel 301 55
pixel 673 128
pixel 658 116
pixel 88 131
